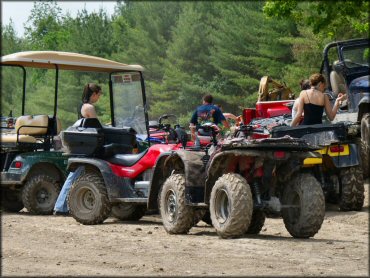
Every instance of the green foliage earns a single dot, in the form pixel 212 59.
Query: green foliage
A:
pixel 142 31
pixel 336 19
pixel 45 27
pixel 187 48
pixel 90 34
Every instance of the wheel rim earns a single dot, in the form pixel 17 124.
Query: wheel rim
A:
pixel 86 199
pixel 43 196
pixel 171 205
pixel 222 206
pixel 295 208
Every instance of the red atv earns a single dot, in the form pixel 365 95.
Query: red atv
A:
pixel 114 179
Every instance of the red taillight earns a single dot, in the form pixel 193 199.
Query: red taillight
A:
pixel 337 149
pixel 18 164
pixel 279 154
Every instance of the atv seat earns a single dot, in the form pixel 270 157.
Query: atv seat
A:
pixel 126 159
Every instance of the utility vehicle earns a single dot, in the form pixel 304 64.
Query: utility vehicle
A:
pixel 346 68
pixel 33 168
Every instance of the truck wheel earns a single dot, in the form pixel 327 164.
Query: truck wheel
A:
pixel 231 206
pixel 177 217
pixel 352 185
pixel 257 222
pixel 10 200
pixel 40 194
pixel 88 200
pixel 128 212
pixel 304 206
pixel 365 141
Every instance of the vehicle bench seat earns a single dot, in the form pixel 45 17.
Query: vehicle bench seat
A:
pixel 12 138
pixel 27 128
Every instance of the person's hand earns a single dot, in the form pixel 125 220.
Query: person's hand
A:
pixel 341 97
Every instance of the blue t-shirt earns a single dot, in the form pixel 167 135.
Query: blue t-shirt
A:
pixel 207 113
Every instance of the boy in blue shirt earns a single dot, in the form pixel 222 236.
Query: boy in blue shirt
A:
pixel 206 113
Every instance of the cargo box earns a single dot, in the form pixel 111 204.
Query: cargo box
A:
pixel 317 135
pixel 88 137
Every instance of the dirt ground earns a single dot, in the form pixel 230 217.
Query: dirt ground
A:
pixel 57 245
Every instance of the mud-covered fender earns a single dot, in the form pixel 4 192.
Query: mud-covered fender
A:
pixel 181 161
pixel 226 161
pixel 217 167
pixel 117 187
pixel 352 159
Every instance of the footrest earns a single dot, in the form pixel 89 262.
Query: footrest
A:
pixel 132 200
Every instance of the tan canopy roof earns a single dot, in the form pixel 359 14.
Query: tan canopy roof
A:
pixel 65 61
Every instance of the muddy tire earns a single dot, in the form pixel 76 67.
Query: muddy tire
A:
pixel 40 193
pixel 352 189
pixel 306 198
pixel 128 212
pixel 364 147
pixel 257 222
pixel 177 217
pixel 11 200
pixel 88 200
pixel 231 206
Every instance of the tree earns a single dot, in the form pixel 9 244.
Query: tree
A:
pixel 90 34
pixel 336 19
pixel 44 29
pixel 246 47
pixel 143 31
pixel 187 67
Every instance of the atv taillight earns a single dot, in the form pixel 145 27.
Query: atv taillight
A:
pixel 337 149
pixel 279 154
pixel 18 164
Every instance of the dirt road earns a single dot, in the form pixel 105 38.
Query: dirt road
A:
pixel 56 245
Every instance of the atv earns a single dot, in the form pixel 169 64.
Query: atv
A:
pixel 239 180
pixel 33 168
pixel 163 133
pixel 114 180
pixel 339 170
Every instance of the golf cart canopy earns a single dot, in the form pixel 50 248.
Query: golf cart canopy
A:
pixel 65 61
pixel 126 83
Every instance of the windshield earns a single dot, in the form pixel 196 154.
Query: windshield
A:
pixel 128 102
pixel 356 57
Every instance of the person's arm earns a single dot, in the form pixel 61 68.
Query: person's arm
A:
pixel 225 123
pixel 220 118
pixel 332 111
pixel 88 111
pixel 298 115
pixel 230 116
